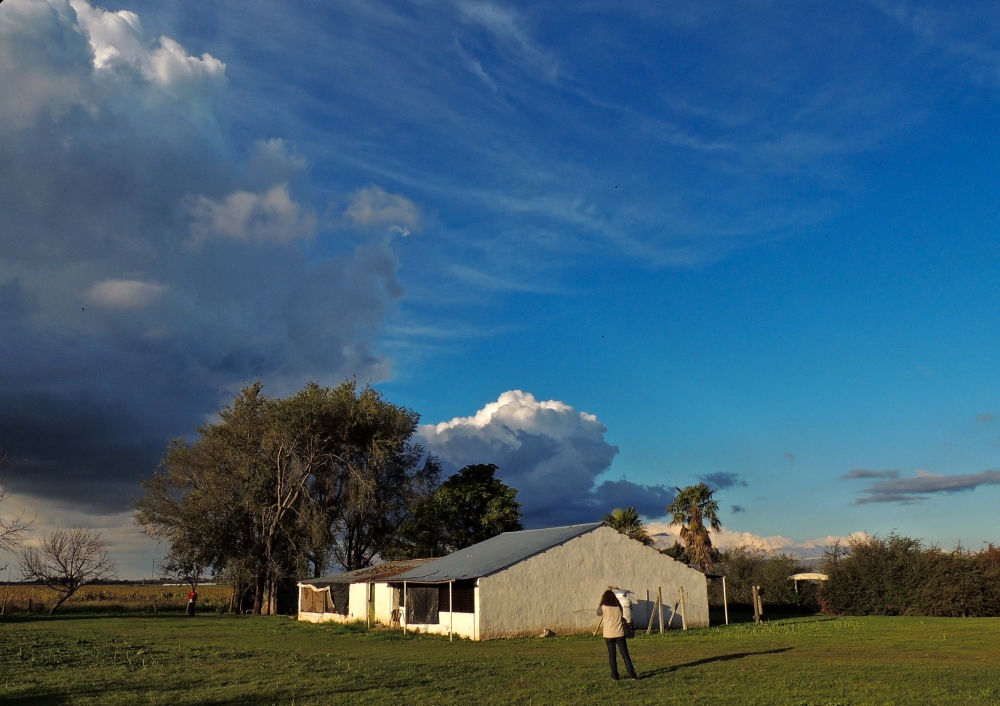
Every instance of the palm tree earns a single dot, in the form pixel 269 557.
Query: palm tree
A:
pixel 690 509
pixel 628 523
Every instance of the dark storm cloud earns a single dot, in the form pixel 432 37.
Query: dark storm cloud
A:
pixel 723 481
pixel 151 263
pixel 550 452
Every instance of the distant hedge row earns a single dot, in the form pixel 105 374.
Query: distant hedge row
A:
pixel 897 575
pixel 872 575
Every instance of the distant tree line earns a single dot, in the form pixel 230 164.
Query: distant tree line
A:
pixel 278 489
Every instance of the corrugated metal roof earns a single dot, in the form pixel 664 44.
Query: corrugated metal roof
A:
pixel 371 573
pixel 494 554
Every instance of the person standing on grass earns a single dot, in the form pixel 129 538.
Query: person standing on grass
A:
pixel 610 611
pixel 192 599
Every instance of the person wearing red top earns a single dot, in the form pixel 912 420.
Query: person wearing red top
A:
pixel 192 599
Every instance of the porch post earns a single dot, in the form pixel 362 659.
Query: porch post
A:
pixel 725 602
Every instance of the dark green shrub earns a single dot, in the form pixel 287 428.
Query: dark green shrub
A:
pixel 897 575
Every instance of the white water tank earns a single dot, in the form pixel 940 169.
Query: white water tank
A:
pixel 624 597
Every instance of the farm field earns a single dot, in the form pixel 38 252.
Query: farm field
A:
pixel 113 597
pixel 222 659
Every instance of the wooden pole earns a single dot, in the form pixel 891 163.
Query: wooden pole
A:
pixel 684 622
pixel 451 613
pixel 756 604
pixel 659 599
pixel 599 624
pixel 649 609
pixel 403 617
pixel 652 613
pixel 725 602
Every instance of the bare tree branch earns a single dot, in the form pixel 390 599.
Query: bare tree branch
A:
pixel 66 560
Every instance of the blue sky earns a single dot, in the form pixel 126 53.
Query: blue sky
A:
pixel 748 237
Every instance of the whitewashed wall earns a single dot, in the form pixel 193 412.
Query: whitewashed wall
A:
pixel 465 625
pixel 560 588
pixel 386 601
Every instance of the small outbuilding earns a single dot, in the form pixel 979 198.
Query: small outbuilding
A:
pixel 524 583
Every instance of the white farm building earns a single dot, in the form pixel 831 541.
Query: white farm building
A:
pixel 515 584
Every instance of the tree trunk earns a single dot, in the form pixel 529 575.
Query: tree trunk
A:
pixel 59 602
pixel 258 599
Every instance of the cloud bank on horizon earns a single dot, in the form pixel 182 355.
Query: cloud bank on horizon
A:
pixel 665 534
pixel 553 454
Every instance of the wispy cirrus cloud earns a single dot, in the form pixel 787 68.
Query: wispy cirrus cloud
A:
pixel 908 491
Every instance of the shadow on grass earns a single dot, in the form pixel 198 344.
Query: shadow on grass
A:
pixel 709 660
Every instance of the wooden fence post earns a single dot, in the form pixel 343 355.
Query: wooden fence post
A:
pixel 659 599
pixel 652 613
pixel 684 622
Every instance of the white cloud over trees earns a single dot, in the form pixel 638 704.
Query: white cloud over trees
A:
pixel 552 453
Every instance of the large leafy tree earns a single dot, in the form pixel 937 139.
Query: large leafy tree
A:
pixel 693 507
pixel 469 507
pixel 279 483
pixel 627 521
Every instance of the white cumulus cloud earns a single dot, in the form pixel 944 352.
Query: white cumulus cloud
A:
pixel 253 217
pixel 549 451
pixel 118 41
pixel 373 207
pixel 124 293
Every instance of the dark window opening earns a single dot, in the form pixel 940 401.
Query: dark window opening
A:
pixel 463 596
pixel 422 606
pixel 341 593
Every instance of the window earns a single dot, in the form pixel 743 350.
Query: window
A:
pixel 463 596
pixel 316 600
pixel 422 605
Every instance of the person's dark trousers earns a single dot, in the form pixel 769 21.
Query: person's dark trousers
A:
pixel 190 610
pixel 612 657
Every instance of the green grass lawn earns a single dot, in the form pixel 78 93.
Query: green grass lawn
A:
pixel 170 659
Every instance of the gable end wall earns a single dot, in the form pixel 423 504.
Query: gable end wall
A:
pixel 560 588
